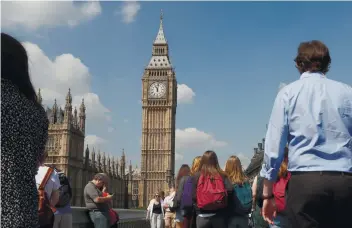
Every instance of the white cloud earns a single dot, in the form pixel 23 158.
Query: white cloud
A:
pixel 192 138
pixel 56 77
pixel 244 160
pixel 178 156
pixel 111 129
pixel 282 85
pixel 35 14
pixel 94 141
pixel 185 94
pixel 129 11
pixel 94 108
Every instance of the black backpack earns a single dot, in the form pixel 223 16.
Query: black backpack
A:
pixel 174 205
pixel 65 191
pixel 259 192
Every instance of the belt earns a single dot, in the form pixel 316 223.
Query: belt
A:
pixel 95 210
pixel 329 173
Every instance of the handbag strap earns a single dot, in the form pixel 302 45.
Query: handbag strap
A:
pixel 46 178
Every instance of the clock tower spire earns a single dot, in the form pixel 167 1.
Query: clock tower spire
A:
pixel 159 101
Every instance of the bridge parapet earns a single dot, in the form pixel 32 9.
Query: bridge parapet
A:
pixel 129 218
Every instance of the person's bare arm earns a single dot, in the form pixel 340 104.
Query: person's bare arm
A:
pixel 254 192
pixel 54 198
pixel 102 199
pixel 267 188
pixel 55 192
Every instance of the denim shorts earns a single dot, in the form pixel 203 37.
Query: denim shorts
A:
pixel 179 216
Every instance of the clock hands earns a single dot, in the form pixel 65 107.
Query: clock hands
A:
pixel 157 89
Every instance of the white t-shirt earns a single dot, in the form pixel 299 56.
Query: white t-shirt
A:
pixel 53 182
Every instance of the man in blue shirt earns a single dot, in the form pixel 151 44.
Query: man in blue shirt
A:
pixel 314 116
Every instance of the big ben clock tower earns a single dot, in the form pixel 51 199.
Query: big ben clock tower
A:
pixel 159 101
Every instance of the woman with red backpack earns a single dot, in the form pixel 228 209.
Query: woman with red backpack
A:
pixel 241 206
pixel 279 191
pixel 210 193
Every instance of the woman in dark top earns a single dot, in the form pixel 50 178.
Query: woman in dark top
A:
pixel 155 212
pixel 182 219
pixel 24 131
pixel 157 209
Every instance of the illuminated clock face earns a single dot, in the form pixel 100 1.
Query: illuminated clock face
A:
pixel 157 90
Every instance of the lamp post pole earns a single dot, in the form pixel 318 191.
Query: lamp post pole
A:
pixel 126 193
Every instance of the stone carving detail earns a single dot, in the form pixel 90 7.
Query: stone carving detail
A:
pixel 57 148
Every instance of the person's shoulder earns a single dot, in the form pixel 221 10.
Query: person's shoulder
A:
pixel 86 188
pixel 89 185
pixel 184 178
pixel 54 173
pixel 196 174
pixel 286 89
pixel 9 91
pixel 43 169
pixel 343 87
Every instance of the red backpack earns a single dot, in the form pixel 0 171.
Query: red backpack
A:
pixel 279 190
pixel 211 193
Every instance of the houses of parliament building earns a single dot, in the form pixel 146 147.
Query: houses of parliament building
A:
pixel 65 145
pixel 65 148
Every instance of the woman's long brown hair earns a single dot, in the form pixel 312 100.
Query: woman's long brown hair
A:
pixel 209 164
pixel 233 169
pixel 196 165
pixel 283 168
pixel 184 171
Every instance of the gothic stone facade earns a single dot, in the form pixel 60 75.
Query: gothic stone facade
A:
pixel 133 176
pixel 65 148
pixel 255 166
pixel 159 101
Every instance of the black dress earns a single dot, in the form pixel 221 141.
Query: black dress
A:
pixel 24 131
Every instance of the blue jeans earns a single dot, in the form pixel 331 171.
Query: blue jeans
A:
pixel 100 219
pixel 280 221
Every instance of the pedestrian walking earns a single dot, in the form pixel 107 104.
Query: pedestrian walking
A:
pixel 314 116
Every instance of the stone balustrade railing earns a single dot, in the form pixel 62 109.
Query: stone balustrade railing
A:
pixel 129 218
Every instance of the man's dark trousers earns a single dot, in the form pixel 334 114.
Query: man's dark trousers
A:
pixel 320 200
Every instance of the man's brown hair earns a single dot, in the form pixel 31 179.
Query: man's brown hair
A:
pixel 313 56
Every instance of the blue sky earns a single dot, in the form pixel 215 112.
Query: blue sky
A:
pixel 232 55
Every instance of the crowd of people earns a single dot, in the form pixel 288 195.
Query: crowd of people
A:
pixel 305 180
pixel 207 196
